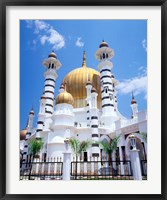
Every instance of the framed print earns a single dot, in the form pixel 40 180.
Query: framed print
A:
pixel 83 99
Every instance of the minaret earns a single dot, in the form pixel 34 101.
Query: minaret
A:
pixel 84 60
pixel 41 115
pixel 104 54
pixel 30 121
pixel 115 82
pixel 134 107
pixel 28 134
pixel 51 64
pixel 94 123
pixel 88 101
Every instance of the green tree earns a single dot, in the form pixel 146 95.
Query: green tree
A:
pixel 143 136
pixel 110 147
pixel 35 145
pixel 79 147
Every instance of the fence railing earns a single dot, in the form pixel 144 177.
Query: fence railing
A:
pixel 101 170
pixel 144 168
pixel 41 170
pixel 91 169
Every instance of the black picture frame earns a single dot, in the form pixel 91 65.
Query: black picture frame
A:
pixel 3 89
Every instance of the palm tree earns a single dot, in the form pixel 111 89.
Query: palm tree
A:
pixel 109 148
pixel 77 148
pixel 143 136
pixel 35 145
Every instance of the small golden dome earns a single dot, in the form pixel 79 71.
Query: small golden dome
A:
pixel 52 54
pixel 77 80
pixel 103 44
pixel 64 97
pixel 23 134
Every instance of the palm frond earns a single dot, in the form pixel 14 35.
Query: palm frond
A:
pixel 74 143
pixel 114 143
pixel 78 147
pixel 106 147
pixel 84 145
pixel 35 146
pixel 143 136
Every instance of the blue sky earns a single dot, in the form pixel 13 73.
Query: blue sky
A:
pixel 69 38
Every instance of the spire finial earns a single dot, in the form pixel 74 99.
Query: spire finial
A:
pixel 133 99
pixel 84 59
pixel 32 107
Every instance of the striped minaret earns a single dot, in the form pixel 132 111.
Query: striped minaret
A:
pixel 94 123
pixel 134 107
pixel 104 54
pixel 115 82
pixel 29 130
pixel 88 100
pixel 51 64
pixel 41 116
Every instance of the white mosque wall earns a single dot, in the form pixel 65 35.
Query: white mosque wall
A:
pixel 62 120
pixel 55 150
pixel 83 135
pixel 80 119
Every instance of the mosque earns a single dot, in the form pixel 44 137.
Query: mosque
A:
pixel 85 108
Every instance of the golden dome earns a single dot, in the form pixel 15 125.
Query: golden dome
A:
pixel 23 134
pixel 76 84
pixel 64 97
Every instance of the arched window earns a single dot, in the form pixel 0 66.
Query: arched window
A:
pixel 52 65
pixel 106 89
pixel 103 55
pixel 106 55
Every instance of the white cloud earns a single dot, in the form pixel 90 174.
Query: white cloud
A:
pixel 137 84
pixel 56 39
pixel 79 43
pixel 43 39
pixel 141 68
pixel 142 71
pixel 144 44
pixel 29 23
pixel 40 25
pixel 46 34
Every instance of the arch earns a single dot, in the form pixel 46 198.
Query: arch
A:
pixel 139 146
pixel 105 138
